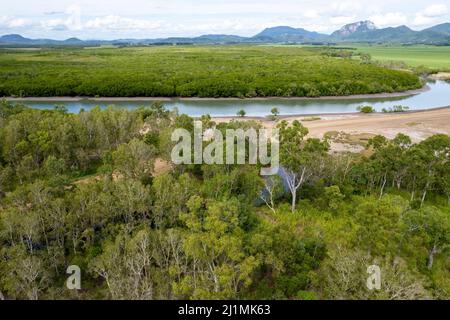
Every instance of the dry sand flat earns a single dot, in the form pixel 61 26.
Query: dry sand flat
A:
pixel 441 76
pixel 418 125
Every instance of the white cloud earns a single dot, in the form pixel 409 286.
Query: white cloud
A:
pixel 14 23
pixel 311 14
pixel 341 20
pixel 421 20
pixel 18 23
pixel 430 14
pixel 319 27
pixel 72 21
pixel 435 10
pixel 346 8
pixel 113 22
pixel 393 19
pixel 55 24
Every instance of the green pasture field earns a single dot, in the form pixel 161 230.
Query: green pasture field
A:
pixel 433 57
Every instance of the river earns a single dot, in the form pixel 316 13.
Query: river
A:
pixel 437 96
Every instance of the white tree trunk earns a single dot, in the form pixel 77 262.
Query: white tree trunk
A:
pixel 431 254
pixel 383 186
pixel 294 199
pixel 423 197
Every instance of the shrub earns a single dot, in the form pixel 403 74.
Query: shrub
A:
pixel 396 109
pixel 366 109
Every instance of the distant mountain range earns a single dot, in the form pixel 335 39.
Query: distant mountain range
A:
pixel 362 31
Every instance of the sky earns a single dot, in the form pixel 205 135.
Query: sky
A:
pixel 114 19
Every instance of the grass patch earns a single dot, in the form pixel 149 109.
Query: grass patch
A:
pixel 311 119
pixel 432 57
pixel 359 139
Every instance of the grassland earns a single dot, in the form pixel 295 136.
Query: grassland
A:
pixel 415 56
pixel 200 71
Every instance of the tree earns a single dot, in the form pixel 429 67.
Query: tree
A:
pixel 6 179
pixel 289 258
pixel 157 111
pixel 443 179
pixel 170 198
pixel 379 223
pixel 241 113
pixel 215 243
pixel 207 122
pixel 273 189
pixel 333 197
pixel 427 158
pixel 344 276
pixel 275 112
pixel 365 58
pixel 433 227
pixel 391 161
pixel 300 158
pixel 125 265
pixel 25 275
pixel 134 160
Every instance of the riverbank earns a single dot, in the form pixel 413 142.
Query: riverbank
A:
pixel 419 125
pixel 445 76
pixel 402 94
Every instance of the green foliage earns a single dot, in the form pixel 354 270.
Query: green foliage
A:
pixel 395 109
pixel 134 159
pixel 216 243
pixel 83 189
pixel 333 197
pixel 241 113
pixel 194 71
pixel 433 226
pixel 366 109
pixel 275 112
pixel 301 158
pixel 345 273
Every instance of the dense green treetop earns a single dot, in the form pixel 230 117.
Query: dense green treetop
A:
pixel 200 71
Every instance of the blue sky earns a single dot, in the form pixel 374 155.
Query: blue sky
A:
pixel 113 19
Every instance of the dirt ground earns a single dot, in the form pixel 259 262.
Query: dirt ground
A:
pixel 441 76
pixel 418 125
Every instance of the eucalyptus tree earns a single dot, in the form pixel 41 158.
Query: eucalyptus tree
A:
pixel 215 244
pixel 134 159
pixel 301 158
pixel 432 226
pixel 429 159
pixel 273 189
pixel 390 161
